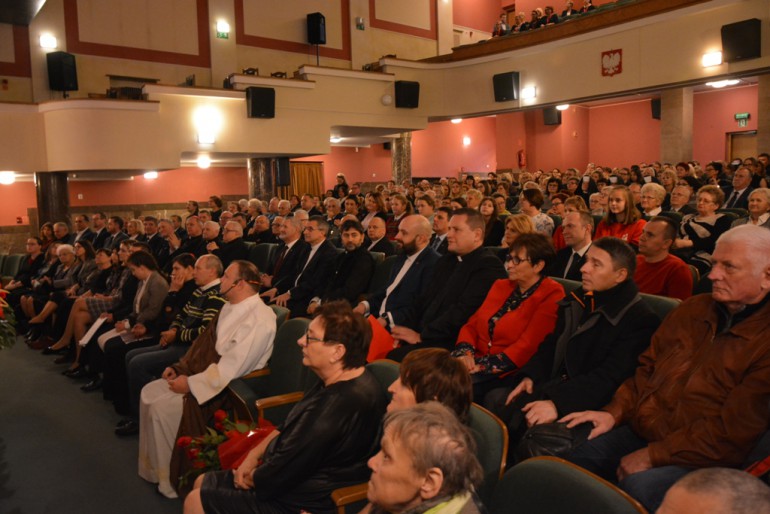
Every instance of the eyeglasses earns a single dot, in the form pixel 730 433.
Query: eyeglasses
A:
pixel 310 339
pixel 516 260
pixel 556 203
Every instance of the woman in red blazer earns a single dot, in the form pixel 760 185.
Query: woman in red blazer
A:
pixel 514 319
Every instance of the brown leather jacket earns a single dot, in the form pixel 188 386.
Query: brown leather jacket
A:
pixel 700 397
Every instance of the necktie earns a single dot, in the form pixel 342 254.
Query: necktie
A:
pixel 731 200
pixel 279 260
pixel 573 266
pixel 436 243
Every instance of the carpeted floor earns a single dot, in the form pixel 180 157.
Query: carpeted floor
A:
pixel 58 452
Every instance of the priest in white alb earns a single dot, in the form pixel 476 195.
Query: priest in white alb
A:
pixel 183 401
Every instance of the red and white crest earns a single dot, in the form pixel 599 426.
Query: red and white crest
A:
pixel 612 62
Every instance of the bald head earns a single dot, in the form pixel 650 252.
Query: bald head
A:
pixel 413 234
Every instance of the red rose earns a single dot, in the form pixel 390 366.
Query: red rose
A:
pixel 184 441
pixel 219 426
pixel 231 433
pixel 220 415
pixel 192 453
pixel 199 464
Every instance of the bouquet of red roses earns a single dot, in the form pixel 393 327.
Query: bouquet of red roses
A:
pixel 222 447
pixel 7 322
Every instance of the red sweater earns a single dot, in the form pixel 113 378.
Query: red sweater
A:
pixel 670 277
pixel 518 333
pixel 628 233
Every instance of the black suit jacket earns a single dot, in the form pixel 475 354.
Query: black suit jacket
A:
pixel 232 251
pixel 384 246
pixel 159 248
pixel 456 291
pixel 263 237
pixel 351 276
pixel 686 209
pixel 194 245
pixel 743 200
pixel 113 241
pixel 412 285
pixel 559 264
pixel 100 238
pixel 313 279
pixel 443 248
pixel 292 265
pixel 88 235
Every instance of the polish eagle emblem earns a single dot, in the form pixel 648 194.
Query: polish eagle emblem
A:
pixel 612 62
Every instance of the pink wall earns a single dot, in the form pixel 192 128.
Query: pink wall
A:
pixel 359 165
pixel 511 137
pixel 623 134
pixel 557 146
pixel 476 14
pixel 714 117
pixel 439 151
pixel 171 186
pixel 14 201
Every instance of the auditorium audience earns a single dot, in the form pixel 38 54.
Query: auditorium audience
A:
pixel 439 241
pixel 377 240
pixel 652 197
pixel 577 229
pixel 738 195
pixel 530 202
pixel 493 225
pixel 680 200
pixel 699 397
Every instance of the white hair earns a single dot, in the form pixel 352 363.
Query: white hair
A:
pixel 756 241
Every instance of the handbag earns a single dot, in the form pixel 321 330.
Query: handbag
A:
pixel 553 439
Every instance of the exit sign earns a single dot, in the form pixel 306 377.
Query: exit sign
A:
pixel 742 116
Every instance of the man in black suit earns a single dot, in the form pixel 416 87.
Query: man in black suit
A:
pixel 194 244
pixel 738 198
pixel 100 229
pixel 261 232
pixel 439 241
pixel 158 245
pixel 352 270
pixel 83 231
pixel 460 284
pixel 308 204
pixel 231 247
pixel 409 277
pixel 61 233
pixel 215 206
pixel 379 243
pixel 577 227
pixel 115 229
pixel 287 261
pixel 569 11
pixel 315 270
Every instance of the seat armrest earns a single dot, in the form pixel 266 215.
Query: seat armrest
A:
pixel 277 401
pixel 347 495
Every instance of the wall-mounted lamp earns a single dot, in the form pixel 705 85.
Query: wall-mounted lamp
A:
pixel 151 175
pixel 208 122
pixel 7 178
pixel 48 41
pixel 466 141
pixel 360 23
pixel 562 107
pixel 204 162
pixel 528 93
pixel 223 29
pixel 711 59
pixel 457 120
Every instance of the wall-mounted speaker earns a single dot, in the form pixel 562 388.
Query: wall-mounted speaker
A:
pixel 387 146
pixel 260 102
pixel 742 40
pixel 551 116
pixel 407 94
pixel 655 107
pixel 316 29
pixel 62 72
pixel 506 86
pixel 282 172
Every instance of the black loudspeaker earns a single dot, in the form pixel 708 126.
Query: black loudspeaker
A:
pixel 506 86
pixel 407 94
pixel 62 72
pixel 655 106
pixel 551 116
pixel 742 40
pixel 386 146
pixel 316 28
pixel 260 102
pixel 282 172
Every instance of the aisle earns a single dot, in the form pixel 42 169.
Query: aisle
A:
pixel 58 453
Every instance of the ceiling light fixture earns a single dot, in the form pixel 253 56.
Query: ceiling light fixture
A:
pixel 151 175
pixel 562 107
pixel 457 120
pixel 723 83
pixel 204 162
pixel 335 139
pixel 7 178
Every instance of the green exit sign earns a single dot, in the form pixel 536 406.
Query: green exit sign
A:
pixel 741 116
pixel 223 35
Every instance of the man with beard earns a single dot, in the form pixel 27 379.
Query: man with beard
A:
pixel 409 278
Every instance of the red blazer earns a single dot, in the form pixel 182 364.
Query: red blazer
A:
pixel 518 333
pixel 628 233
